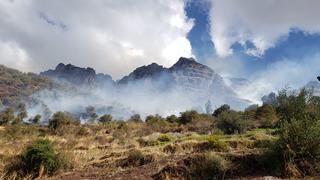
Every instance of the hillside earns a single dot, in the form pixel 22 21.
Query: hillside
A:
pixel 16 86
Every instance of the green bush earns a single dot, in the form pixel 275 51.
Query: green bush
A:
pixel 153 119
pixel 37 159
pixel 60 121
pixel 164 138
pixel 136 158
pixel 36 119
pixel 83 131
pixel 135 118
pixel 298 144
pixel 187 117
pixel 172 118
pixel 7 116
pixel 266 116
pixel 211 166
pixel 215 143
pixel 232 122
pixel 105 118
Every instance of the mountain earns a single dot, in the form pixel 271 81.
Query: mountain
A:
pixel 152 71
pixel 190 77
pixel 77 75
pixel 16 86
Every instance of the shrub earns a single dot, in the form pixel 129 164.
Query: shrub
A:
pixel 164 138
pixel 105 118
pixel 83 131
pixel 266 115
pixel 172 119
pixel 7 116
pixel 59 122
pixel 153 119
pixel 215 143
pixel 36 119
pixel 135 118
pixel 211 166
pixel 187 117
pixel 212 143
pixel 136 158
pixel 37 159
pixel 232 122
pixel 298 144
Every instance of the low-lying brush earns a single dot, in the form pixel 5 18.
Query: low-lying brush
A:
pixel 36 160
pixel 135 158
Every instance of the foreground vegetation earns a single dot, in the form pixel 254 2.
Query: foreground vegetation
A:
pixel 280 139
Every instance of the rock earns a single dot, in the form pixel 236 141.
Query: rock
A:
pixel 77 75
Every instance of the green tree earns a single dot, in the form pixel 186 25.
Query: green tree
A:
pixel 221 109
pixel 105 118
pixel 135 118
pixel 172 119
pixel 187 117
pixel 266 116
pixel 59 122
pixel 36 119
pixel 232 122
pixel 298 144
pixel 20 117
pixel 7 116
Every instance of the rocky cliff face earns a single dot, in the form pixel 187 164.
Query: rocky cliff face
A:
pixel 186 78
pixel 152 71
pixel 77 75
pixel 189 77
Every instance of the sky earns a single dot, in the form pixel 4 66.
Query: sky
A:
pixel 272 43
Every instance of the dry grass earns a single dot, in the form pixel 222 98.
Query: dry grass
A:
pixel 105 145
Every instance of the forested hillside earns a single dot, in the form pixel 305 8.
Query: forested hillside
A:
pixel 16 86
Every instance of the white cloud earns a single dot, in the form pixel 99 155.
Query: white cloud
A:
pixel 263 23
pixel 111 36
pixel 281 74
pixel 13 56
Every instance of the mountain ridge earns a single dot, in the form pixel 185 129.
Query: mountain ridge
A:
pixel 186 76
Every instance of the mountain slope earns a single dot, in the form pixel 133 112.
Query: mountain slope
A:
pixel 77 75
pixel 16 86
pixel 187 76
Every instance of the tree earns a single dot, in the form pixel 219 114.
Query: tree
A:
pixel 232 122
pixel 7 116
pixel 91 113
pixel 299 139
pixel 20 117
pixel 172 118
pixel 153 119
pixel 105 118
pixel 187 117
pixel 36 119
pixel 221 109
pixel 266 115
pixel 60 120
pixel 135 118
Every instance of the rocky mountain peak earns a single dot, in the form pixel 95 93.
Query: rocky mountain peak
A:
pixel 76 75
pixel 150 71
pixel 184 63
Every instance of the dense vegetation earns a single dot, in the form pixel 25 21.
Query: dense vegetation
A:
pixel 281 138
pixel 15 85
